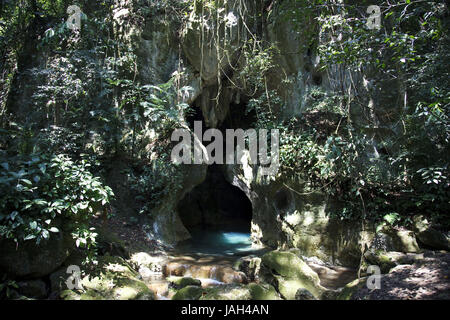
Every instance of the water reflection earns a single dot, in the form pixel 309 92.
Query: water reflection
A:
pixel 223 242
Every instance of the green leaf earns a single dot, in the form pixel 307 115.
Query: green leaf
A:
pixel 83 205
pixel 29 237
pixel 45 234
pixel 13 215
pixel 26 181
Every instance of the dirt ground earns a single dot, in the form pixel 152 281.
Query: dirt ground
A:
pixel 424 280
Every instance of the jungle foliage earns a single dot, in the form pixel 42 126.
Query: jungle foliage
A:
pixel 89 99
pixel 403 176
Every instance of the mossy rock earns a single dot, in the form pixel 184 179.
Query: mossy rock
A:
pixel 70 295
pixel 303 294
pixel 389 239
pixel 181 282
pixel 388 260
pixel 113 279
pixel 227 292
pixel 250 266
pixel 291 273
pixel 263 291
pixel 350 289
pixel 434 239
pixel 188 293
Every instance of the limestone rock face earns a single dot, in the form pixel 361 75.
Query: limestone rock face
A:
pixel 283 214
pixel 283 217
pixel 167 225
pixel 200 37
pixel 428 235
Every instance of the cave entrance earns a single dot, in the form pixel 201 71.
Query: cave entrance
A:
pixel 218 216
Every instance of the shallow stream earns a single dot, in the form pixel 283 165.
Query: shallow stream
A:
pixel 210 255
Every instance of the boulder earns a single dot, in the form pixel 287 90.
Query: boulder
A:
pixel 228 275
pixel 390 239
pixel 250 266
pixel 33 289
pixel 58 280
pixel 180 283
pixel 263 291
pixel 303 294
pixel 291 273
pixel 429 235
pixel 434 239
pixel 145 272
pixel 190 292
pixel 351 289
pixel 388 260
pixel 28 260
pixel 174 269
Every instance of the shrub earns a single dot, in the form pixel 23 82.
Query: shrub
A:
pixel 38 191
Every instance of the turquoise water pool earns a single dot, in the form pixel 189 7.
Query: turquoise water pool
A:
pixel 218 241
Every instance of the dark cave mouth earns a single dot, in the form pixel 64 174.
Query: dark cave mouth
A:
pixel 218 216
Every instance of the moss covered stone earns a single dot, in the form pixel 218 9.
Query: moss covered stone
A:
pixel 188 293
pixel 388 260
pixel 263 291
pixel 181 282
pixel 350 289
pixel 292 273
pixel 113 279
